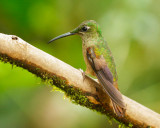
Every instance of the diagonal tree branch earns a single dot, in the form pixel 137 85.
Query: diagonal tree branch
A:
pixel 84 92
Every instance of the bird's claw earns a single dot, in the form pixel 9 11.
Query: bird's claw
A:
pixel 83 74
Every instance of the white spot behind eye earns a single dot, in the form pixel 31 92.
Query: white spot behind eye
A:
pixel 85 28
pixel 88 27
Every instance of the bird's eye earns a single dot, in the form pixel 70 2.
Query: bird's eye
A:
pixel 85 28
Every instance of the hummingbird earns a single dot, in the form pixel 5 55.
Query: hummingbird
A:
pixel 99 61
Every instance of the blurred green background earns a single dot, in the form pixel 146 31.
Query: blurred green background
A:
pixel 132 29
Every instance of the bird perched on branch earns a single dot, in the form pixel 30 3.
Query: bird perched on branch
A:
pixel 99 61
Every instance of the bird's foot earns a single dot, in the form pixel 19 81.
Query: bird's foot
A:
pixel 83 74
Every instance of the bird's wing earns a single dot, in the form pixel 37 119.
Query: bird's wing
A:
pixel 105 77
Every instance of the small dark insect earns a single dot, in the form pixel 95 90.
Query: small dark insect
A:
pixel 14 38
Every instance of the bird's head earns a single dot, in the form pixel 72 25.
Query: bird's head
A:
pixel 87 29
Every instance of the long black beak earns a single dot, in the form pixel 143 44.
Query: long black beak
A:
pixel 61 36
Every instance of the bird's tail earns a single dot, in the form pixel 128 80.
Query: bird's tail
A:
pixel 118 110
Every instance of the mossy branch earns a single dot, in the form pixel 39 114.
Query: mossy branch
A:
pixel 84 92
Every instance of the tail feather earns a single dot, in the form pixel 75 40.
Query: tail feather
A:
pixel 118 110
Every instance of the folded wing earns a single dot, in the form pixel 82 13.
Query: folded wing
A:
pixel 105 78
